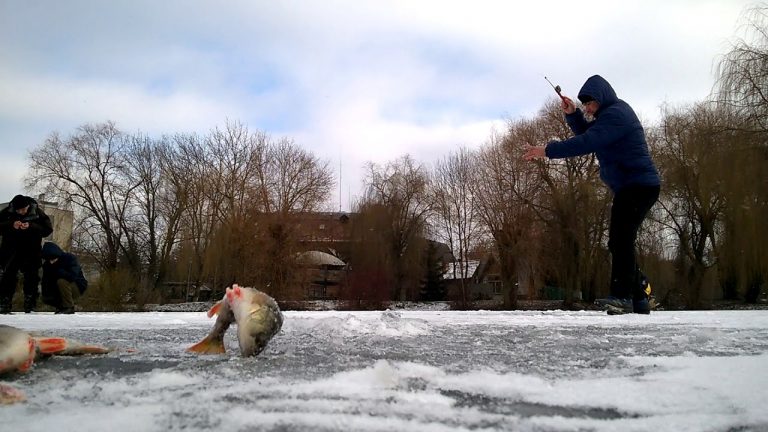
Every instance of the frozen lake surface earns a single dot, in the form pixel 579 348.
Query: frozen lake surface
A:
pixel 404 371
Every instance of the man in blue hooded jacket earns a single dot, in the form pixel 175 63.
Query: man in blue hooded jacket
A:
pixel 616 137
pixel 63 279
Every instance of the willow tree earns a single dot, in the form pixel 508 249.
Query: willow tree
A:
pixel 742 89
pixel 397 198
pixel 742 84
pixel 693 146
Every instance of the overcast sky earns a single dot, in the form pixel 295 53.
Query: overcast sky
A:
pixel 352 81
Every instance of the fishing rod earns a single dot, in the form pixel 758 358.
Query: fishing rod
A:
pixel 556 87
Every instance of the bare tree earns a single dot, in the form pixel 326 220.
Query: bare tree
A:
pixel 503 186
pixel 184 164
pixel 295 180
pixel 244 194
pixel 572 204
pixel 291 181
pixel 455 207
pixel 579 205
pixel 88 171
pixel 160 201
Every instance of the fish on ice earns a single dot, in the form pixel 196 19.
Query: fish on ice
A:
pixel 20 349
pixel 256 314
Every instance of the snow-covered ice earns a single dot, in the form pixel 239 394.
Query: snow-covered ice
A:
pixel 405 371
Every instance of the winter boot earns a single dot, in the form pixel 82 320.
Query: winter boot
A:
pixel 5 306
pixel 30 302
pixel 641 306
pixel 641 299
pixel 616 306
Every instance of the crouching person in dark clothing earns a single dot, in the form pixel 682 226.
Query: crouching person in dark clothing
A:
pixel 63 280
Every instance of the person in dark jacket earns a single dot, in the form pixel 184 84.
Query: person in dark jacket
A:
pixel 23 225
pixel 616 137
pixel 63 280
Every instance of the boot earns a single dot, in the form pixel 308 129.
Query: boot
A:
pixel 615 305
pixel 29 303
pixel 642 296
pixel 5 306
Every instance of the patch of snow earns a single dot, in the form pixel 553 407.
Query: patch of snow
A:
pixel 404 370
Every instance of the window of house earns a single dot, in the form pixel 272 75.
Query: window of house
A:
pixel 317 291
pixel 496 285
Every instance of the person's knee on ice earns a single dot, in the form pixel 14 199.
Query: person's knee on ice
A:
pixel 68 293
pixel 63 280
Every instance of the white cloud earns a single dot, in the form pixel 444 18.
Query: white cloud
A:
pixel 61 101
pixel 373 80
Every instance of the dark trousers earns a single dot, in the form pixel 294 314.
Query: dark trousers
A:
pixel 29 265
pixel 630 206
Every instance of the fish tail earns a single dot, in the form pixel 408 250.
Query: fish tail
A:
pixel 51 345
pixel 209 345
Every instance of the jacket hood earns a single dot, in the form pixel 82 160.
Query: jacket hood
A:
pixel 21 201
pixel 600 90
pixel 51 250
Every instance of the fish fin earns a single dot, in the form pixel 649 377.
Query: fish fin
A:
pixel 31 356
pixel 208 346
pixel 93 349
pixel 67 347
pixel 24 367
pixel 215 308
pixel 50 345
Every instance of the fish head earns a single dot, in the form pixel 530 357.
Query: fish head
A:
pixel 247 302
pixel 243 299
pixel 17 350
pixel 234 294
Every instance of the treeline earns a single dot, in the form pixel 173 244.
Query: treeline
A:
pixel 225 207
pixel 209 209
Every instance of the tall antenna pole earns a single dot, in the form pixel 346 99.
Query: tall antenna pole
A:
pixel 339 180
